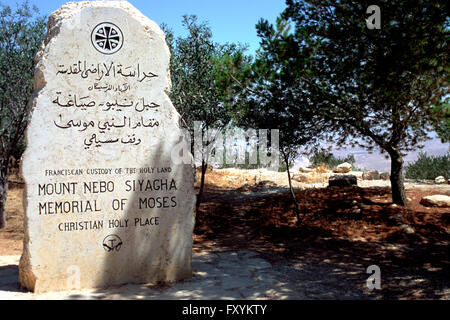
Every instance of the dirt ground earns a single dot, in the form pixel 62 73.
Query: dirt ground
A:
pixel 342 232
pixel 12 236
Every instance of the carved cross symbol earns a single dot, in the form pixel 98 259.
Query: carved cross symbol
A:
pixel 107 38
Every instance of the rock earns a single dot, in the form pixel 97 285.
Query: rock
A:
pixel 305 170
pixel 357 174
pixel 343 168
pixel 322 168
pixel 342 181
pixel 397 217
pixel 371 175
pixel 100 142
pixel 437 200
pixel 300 177
pixel 440 180
pixel 407 229
pixel 385 176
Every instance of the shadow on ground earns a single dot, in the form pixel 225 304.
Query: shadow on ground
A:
pixel 343 232
pixel 9 275
pixel 247 245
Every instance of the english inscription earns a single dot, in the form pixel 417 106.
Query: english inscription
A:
pixel 102 191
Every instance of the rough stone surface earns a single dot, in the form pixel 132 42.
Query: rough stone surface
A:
pixel 397 217
pixel 437 200
pixel 300 177
pixel 407 229
pixel 342 181
pixel 343 168
pixel 357 174
pixel 440 180
pixel 385 176
pixel 371 175
pixel 105 204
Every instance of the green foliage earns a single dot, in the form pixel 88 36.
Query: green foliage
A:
pixel 428 167
pixel 442 125
pixel 199 91
pixel 21 33
pixel 268 94
pixel 375 87
pixel 325 157
pixel 196 90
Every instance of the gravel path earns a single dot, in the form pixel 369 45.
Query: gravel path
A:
pixel 218 274
pixel 243 274
pixel 323 270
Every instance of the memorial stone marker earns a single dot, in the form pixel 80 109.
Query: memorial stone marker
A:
pixel 104 202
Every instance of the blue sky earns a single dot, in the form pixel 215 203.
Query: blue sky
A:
pixel 234 21
pixel 230 20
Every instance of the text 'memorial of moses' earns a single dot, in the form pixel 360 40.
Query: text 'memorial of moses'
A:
pixel 104 203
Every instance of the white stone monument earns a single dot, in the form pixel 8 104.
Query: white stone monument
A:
pixel 104 202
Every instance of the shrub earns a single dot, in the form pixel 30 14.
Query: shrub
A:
pixel 428 167
pixel 327 158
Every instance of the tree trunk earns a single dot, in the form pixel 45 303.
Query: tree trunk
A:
pixel 297 211
pixel 202 184
pixel 397 179
pixel 3 193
